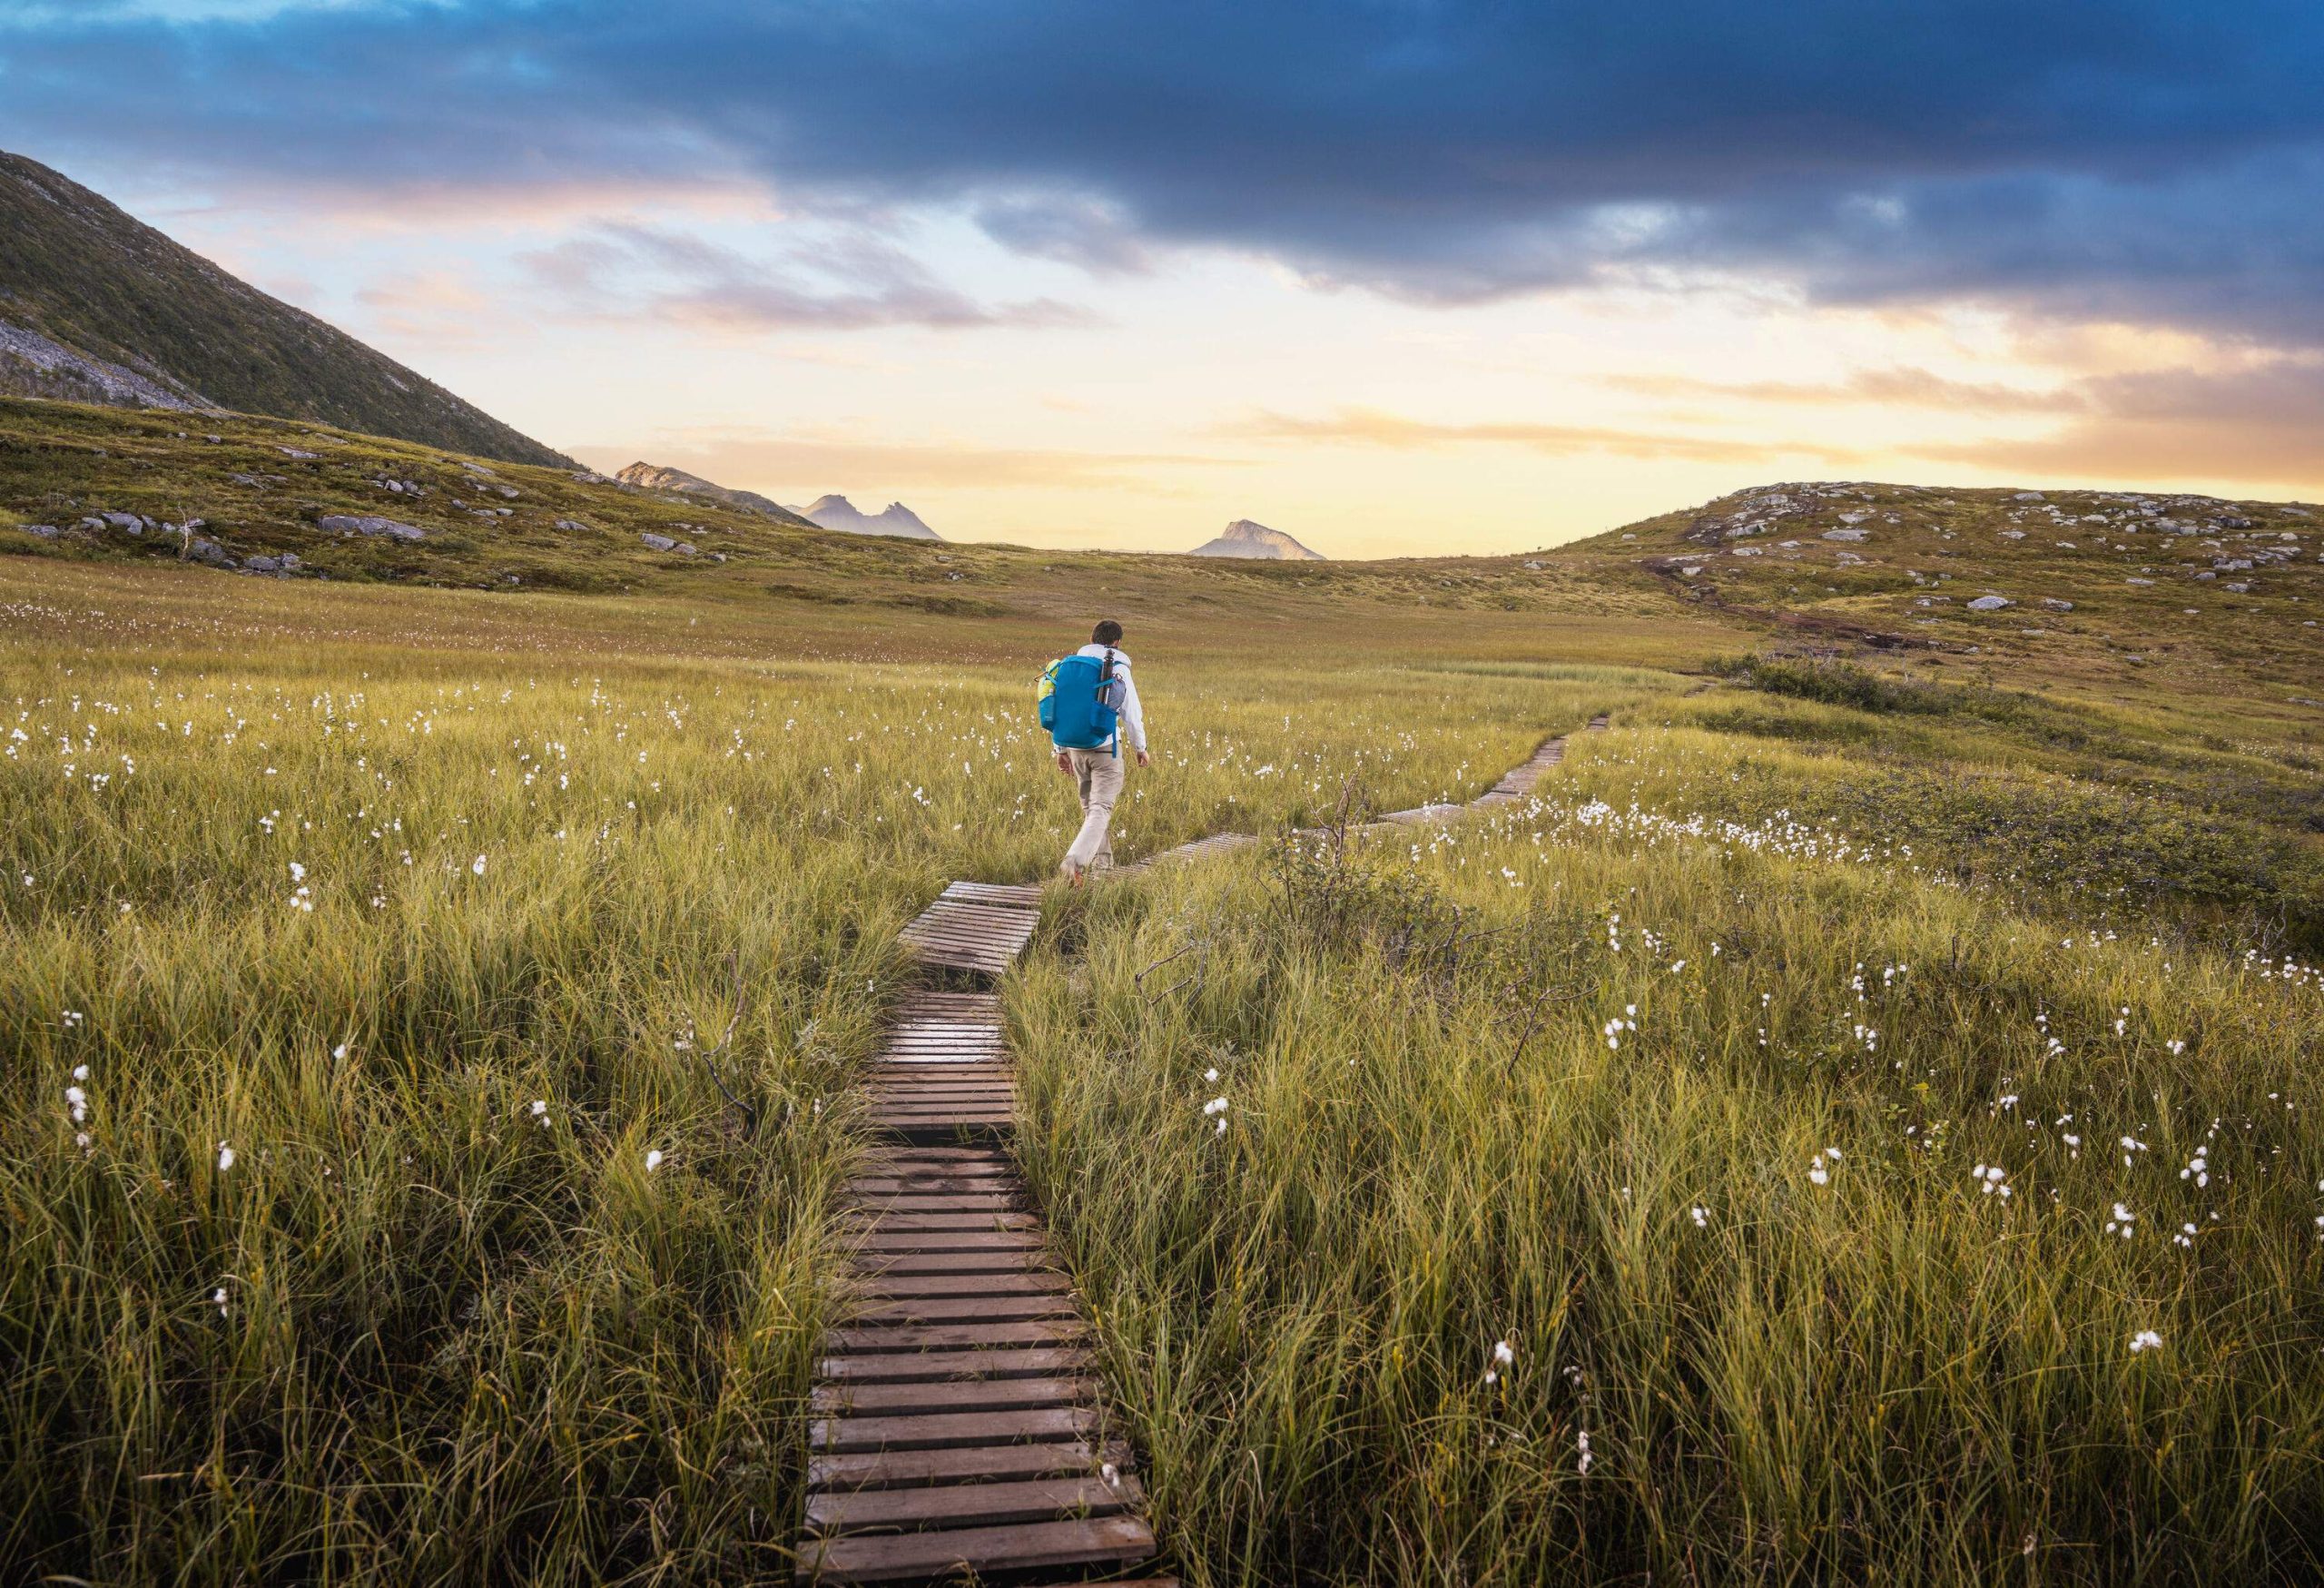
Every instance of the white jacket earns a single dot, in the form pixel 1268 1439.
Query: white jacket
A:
pixel 1130 715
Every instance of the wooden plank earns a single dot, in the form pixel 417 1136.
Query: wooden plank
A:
pixel 899 1469
pixel 949 1430
pixel 995 1202
pixel 948 1552
pixel 994 1128
pixel 887 1264
pixel 949 1396
pixel 1010 1219
pixel 1001 1362
pixel 971 1505
pixel 961 1309
pixel 910 1287
pixel 999 1083
pixel 1016 896
pixel 857 1340
pixel 949 1241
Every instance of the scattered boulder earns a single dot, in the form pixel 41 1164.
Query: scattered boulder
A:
pixel 2055 605
pixel 263 565
pixel 45 531
pixel 294 453
pixel 208 552
pixel 2013 535
pixel 1989 603
pixel 368 524
pixel 574 523
pixel 656 542
pixel 1846 534
pixel 2029 495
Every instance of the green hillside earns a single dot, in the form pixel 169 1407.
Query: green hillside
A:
pixel 96 305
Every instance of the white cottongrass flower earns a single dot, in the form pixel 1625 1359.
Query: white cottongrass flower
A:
pixel 652 1159
pixel 477 865
pixel 1505 1354
pixel 539 1109
pixel 1702 1216
pixel 2145 1340
pixel 1216 1106
pixel 80 1072
pixel 298 872
pixel 2123 1222
pixel 1990 1179
pixel 218 1299
pixel 225 1158
pixel 1818 1171
pixel 1581 1456
pixel 340 1052
pixel 1210 1074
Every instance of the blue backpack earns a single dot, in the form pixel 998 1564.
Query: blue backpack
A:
pixel 1080 697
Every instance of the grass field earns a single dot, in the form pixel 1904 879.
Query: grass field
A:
pixel 350 984
pixel 1869 1101
pixel 1612 1192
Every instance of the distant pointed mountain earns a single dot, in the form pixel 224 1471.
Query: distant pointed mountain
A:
pixel 654 477
pixel 1245 538
pixel 95 306
pixel 835 512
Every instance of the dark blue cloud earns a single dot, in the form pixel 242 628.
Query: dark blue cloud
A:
pixel 2153 160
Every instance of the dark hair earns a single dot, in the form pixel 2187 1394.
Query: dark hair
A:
pixel 1108 633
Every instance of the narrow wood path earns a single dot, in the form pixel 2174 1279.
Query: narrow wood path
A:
pixel 960 1426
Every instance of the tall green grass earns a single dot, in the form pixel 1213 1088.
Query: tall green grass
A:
pixel 444 946
pixel 1789 1175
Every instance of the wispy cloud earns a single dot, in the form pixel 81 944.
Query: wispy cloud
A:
pixel 801 466
pixel 623 270
pixel 1894 387
pixel 2147 159
pixel 1364 426
pixel 2258 426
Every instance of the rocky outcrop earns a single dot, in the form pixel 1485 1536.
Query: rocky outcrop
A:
pixel 368 524
pixel 644 476
pixel 1245 538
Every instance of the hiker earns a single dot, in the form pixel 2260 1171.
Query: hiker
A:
pixel 1089 701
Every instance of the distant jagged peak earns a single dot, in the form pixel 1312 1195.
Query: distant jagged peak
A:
pixel 1245 537
pixel 836 512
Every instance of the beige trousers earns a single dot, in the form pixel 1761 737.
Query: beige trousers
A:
pixel 1098 775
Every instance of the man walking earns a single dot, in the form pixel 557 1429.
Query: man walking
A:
pixel 1089 742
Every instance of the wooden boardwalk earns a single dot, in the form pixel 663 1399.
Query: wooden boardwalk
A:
pixel 960 1428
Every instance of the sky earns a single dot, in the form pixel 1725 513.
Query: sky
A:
pixel 1395 276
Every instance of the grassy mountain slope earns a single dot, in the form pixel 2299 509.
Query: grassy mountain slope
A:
pixel 62 464
pixel 677 481
pixel 91 280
